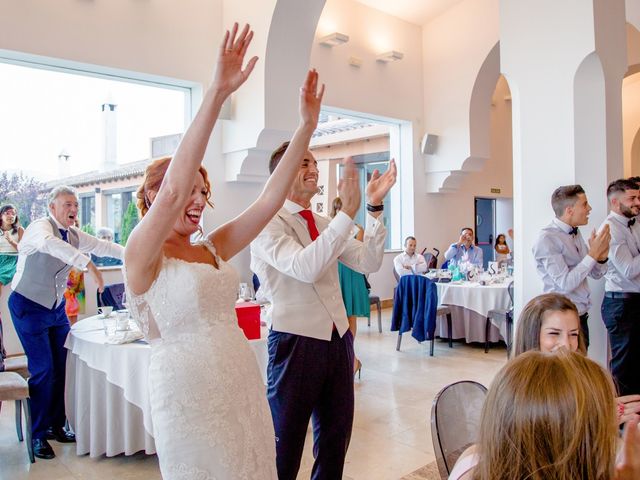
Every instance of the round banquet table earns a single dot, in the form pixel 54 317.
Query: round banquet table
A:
pixel 470 303
pixel 106 392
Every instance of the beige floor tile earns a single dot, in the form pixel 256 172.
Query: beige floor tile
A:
pixel 391 436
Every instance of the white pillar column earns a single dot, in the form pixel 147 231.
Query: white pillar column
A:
pixel 564 62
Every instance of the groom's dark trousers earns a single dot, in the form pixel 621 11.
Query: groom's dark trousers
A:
pixel 42 332
pixel 311 378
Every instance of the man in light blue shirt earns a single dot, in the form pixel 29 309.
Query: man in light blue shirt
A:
pixel 563 259
pixel 465 249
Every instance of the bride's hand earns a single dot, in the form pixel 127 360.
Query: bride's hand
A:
pixel 229 74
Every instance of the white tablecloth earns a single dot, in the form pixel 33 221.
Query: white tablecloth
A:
pixel 470 304
pixel 106 395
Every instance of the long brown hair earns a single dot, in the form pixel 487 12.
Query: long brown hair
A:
pixel 527 336
pixel 548 416
pixel 153 176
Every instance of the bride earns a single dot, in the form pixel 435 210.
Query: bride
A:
pixel 210 414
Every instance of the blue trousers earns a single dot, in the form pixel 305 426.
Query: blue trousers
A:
pixel 311 378
pixel 42 332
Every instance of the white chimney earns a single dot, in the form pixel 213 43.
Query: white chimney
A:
pixel 109 137
pixel 63 164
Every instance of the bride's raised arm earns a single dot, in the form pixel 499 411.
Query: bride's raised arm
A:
pixel 143 253
pixel 235 235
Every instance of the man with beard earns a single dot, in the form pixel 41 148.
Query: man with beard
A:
pixel 621 304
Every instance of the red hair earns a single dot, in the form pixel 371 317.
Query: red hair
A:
pixel 153 177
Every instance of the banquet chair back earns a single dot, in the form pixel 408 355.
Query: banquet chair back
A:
pixel 112 296
pixel 14 387
pixel 455 421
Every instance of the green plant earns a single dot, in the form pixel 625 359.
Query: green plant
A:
pixel 88 228
pixel 129 221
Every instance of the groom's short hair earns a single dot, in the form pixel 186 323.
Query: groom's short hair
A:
pixel 277 154
pixel 61 190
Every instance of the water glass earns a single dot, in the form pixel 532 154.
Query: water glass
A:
pixel 110 325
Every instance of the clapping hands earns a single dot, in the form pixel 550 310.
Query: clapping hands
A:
pixel 599 243
pixel 379 185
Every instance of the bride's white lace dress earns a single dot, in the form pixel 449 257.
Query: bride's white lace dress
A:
pixel 210 415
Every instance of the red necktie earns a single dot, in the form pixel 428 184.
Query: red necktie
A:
pixel 311 223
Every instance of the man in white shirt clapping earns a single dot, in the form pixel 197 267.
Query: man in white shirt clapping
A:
pixel 563 259
pixel 409 261
pixel 621 304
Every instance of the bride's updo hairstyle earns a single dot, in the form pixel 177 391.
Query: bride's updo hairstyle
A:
pixel 153 176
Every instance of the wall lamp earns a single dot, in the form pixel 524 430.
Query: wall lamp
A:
pixel 390 56
pixel 334 39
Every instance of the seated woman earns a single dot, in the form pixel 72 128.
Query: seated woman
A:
pixel 551 416
pixel 105 233
pixel 551 321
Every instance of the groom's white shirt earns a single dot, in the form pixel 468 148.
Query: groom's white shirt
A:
pixel 300 277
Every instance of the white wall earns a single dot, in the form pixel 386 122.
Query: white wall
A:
pixel 630 121
pixel 504 218
pixel 455 46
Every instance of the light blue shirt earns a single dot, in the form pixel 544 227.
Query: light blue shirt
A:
pixel 472 255
pixel 563 263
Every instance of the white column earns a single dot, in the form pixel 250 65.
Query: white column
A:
pixel 564 62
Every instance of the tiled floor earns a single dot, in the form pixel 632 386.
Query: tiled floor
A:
pixel 391 437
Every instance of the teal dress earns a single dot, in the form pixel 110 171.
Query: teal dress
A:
pixel 354 292
pixel 8 259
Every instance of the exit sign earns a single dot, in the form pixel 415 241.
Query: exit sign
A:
pixel 495 190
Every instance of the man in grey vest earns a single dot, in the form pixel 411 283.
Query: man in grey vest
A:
pixel 50 247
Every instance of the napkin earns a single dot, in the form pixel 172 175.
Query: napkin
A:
pixel 124 337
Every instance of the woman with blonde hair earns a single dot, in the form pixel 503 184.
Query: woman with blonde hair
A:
pixel 551 416
pixel 208 404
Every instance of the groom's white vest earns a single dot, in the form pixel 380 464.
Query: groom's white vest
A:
pixel 304 308
pixel 44 278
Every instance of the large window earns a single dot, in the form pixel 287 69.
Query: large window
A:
pixel 88 210
pixel 371 142
pixel 89 127
pixel 117 204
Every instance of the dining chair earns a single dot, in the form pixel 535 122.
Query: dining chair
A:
pixel 418 301
pixel 17 364
pixel 375 300
pixel 111 296
pixel 501 315
pixel 14 387
pixel 455 420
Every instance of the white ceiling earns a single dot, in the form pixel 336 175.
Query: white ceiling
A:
pixel 419 12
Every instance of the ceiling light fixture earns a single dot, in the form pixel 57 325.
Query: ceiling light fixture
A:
pixel 334 39
pixel 389 56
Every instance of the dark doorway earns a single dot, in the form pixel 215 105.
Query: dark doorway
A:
pixel 485 209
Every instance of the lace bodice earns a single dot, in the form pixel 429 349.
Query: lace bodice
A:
pixel 186 298
pixel 210 416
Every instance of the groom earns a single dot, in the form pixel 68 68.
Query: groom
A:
pixel 310 372
pixel 49 248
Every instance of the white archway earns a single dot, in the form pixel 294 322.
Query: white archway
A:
pixel 266 114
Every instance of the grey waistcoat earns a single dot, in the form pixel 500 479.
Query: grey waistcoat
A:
pixel 44 278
